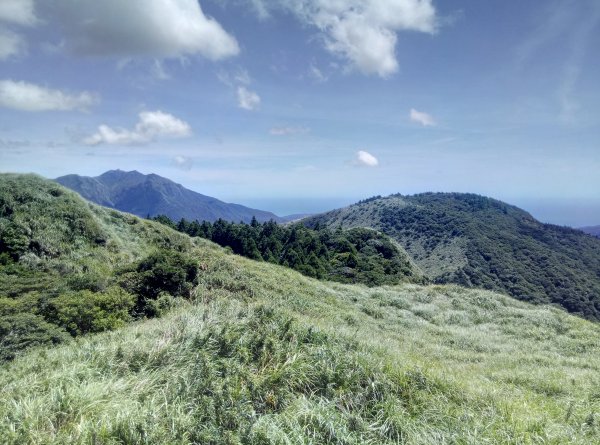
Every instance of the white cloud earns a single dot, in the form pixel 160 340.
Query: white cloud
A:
pixel 151 126
pixel 183 163
pixel 287 131
pixel 365 159
pixel 11 44
pixel 30 97
pixel 364 32
pixel 248 100
pixel 14 12
pixel 155 28
pixel 422 118
pixel 18 12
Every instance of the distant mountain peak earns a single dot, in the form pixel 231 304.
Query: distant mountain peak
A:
pixel 151 194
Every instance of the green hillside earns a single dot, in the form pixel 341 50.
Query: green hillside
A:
pixel 269 356
pixel 484 243
pixel 68 267
pixel 259 354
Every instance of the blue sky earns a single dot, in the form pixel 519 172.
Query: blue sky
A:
pixel 300 106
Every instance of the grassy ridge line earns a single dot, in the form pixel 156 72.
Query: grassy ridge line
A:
pixel 270 356
pixel 480 242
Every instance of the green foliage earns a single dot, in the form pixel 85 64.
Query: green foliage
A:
pixel 480 242
pixel 61 259
pixel 25 330
pixel 161 272
pixel 85 311
pixel 355 256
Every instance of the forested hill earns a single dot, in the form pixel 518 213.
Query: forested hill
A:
pixel 349 256
pixel 144 195
pixel 476 241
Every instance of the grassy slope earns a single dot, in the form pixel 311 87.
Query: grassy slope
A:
pixel 51 243
pixel 52 225
pixel 270 356
pixel 480 242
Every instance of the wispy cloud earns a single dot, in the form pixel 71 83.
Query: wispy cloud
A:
pixel 422 118
pixel 182 162
pixel 287 131
pixel 26 96
pixel 151 126
pixel 11 44
pixel 574 63
pixel 570 22
pixel 248 100
pixel 8 144
pixel 159 71
pixel 317 74
pixel 15 13
pixel 240 76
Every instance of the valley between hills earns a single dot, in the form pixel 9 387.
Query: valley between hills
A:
pixel 434 318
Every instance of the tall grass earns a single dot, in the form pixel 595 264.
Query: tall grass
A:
pixel 267 356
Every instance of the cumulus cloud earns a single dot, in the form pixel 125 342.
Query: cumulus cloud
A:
pixel 364 32
pixel 422 118
pixel 365 159
pixel 248 100
pixel 155 28
pixel 151 126
pixel 287 131
pixel 30 97
pixel 183 162
pixel 18 12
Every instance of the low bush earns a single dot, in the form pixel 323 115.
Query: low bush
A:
pixel 85 311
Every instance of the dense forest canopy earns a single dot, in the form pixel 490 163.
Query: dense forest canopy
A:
pixel 349 256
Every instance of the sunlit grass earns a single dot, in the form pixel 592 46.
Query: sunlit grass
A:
pixel 266 355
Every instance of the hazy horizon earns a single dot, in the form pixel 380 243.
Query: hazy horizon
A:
pixel 564 212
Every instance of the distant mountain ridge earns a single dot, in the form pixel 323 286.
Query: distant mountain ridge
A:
pixel 480 242
pixel 151 194
pixel 591 230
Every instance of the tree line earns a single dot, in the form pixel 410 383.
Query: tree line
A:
pixel 350 256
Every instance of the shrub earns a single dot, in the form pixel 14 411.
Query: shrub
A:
pixel 86 311
pixel 25 330
pixel 163 271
